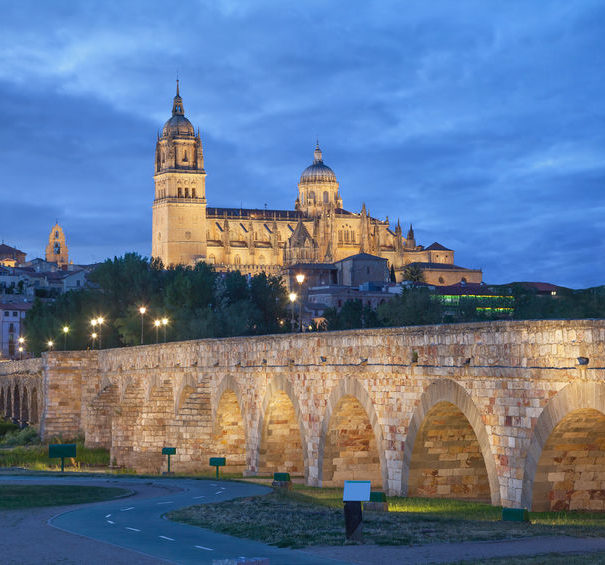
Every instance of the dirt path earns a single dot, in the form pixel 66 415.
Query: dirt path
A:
pixel 452 552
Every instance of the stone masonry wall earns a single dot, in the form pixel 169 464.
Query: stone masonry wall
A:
pixel 511 383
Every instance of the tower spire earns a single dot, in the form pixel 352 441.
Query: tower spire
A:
pixel 177 104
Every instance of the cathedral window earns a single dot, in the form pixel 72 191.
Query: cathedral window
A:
pixel 185 157
pixel 347 235
pixel 312 197
pixel 56 235
pixel 179 192
pixel 186 192
pixel 211 259
pixel 237 260
pixel 339 236
pixel 326 196
pixel 193 193
pixel 352 236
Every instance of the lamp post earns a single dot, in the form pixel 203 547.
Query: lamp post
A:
pixel 300 279
pixel 21 341
pixel 164 323
pixel 292 297
pixel 93 336
pixel 21 353
pixel 157 324
pixel 50 344
pixel 142 311
pixel 100 322
pixel 65 332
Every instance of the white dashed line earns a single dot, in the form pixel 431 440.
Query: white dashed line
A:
pixel 196 497
pixel 126 509
pixel 213 484
pixel 202 547
pixel 132 529
pixel 169 502
pixel 110 522
pixel 218 492
pixel 107 515
pixel 165 537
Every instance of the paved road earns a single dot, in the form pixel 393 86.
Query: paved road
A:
pixel 138 524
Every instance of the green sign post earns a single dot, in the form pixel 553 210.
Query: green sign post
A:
pixel 169 451
pixel 61 450
pixel 217 462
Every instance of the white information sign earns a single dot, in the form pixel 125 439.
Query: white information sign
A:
pixel 356 491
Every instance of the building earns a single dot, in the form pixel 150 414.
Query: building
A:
pixel 10 256
pixel 319 229
pixel 11 328
pixel 474 299
pixel 56 250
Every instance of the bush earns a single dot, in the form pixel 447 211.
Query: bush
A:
pixel 26 436
pixel 6 427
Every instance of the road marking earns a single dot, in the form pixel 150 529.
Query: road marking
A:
pixel 132 529
pixel 107 515
pixel 110 522
pixel 202 547
pixel 196 497
pixel 169 502
pixel 165 537
pixel 218 492
pixel 125 509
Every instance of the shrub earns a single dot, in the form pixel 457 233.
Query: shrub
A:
pixel 6 427
pixel 26 436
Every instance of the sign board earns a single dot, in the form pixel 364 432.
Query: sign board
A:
pixel 60 450
pixel 217 462
pixel 169 451
pixel 281 477
pixel 356 491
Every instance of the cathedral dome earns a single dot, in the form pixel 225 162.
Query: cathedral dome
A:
pixel 317 172
pixel 178 124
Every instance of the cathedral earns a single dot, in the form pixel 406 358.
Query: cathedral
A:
pixel 319 229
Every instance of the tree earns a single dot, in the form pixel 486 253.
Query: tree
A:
pixel 413 273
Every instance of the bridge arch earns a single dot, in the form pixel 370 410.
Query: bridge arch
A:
pixel 350 397
pixel 280 415
pixel 446 399
pixel 229 430
pixel 572 420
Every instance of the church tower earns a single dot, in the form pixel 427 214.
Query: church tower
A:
pixel 179 207
pixel 56 250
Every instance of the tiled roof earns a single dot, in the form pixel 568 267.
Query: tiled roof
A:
pixel 440 267
pixel 436 247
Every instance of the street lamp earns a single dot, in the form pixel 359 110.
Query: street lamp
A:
pixel 157 324
pixel 164 323
pixel 142 311
pixel 100 322
pixel 300 279
pixel 292 297
pixel 21 353
pixel 50 344
pixel 21 341
pixel 65 332
pixel 93 336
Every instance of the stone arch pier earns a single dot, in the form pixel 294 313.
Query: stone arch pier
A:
pixel 508 412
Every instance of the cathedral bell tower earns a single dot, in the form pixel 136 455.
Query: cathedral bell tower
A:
pixel 179 207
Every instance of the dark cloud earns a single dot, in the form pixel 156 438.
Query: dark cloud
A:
pixel 481 125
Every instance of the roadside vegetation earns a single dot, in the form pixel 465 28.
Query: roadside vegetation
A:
pixel 311 516
pixel 597 558
pixel 13 497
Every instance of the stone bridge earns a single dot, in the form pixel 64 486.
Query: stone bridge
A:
pixel 507 412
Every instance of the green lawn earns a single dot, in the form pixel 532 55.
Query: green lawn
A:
pixel 35 457
pixel 312 516
pixel 29 496
pixel 548 559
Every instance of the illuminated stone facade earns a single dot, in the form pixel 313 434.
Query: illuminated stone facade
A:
pixel 507 412
pixel 56 250
pixel 318 230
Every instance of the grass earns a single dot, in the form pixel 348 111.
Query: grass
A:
pixel 35 457
pixel 29 496
pixel 312 516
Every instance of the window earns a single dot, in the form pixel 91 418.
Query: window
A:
pixel 186 192
pixel 237 260
pixel 312 197
pixel 77 283
pixel 15 314
pixel 179 192
pixel 211 259
pixel 56 235
pixel 326 196
pixel 6 313
pixel 193 193
pixel 11 328
pixel 187 235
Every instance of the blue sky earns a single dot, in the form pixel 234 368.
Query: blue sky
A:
pixel 482 123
